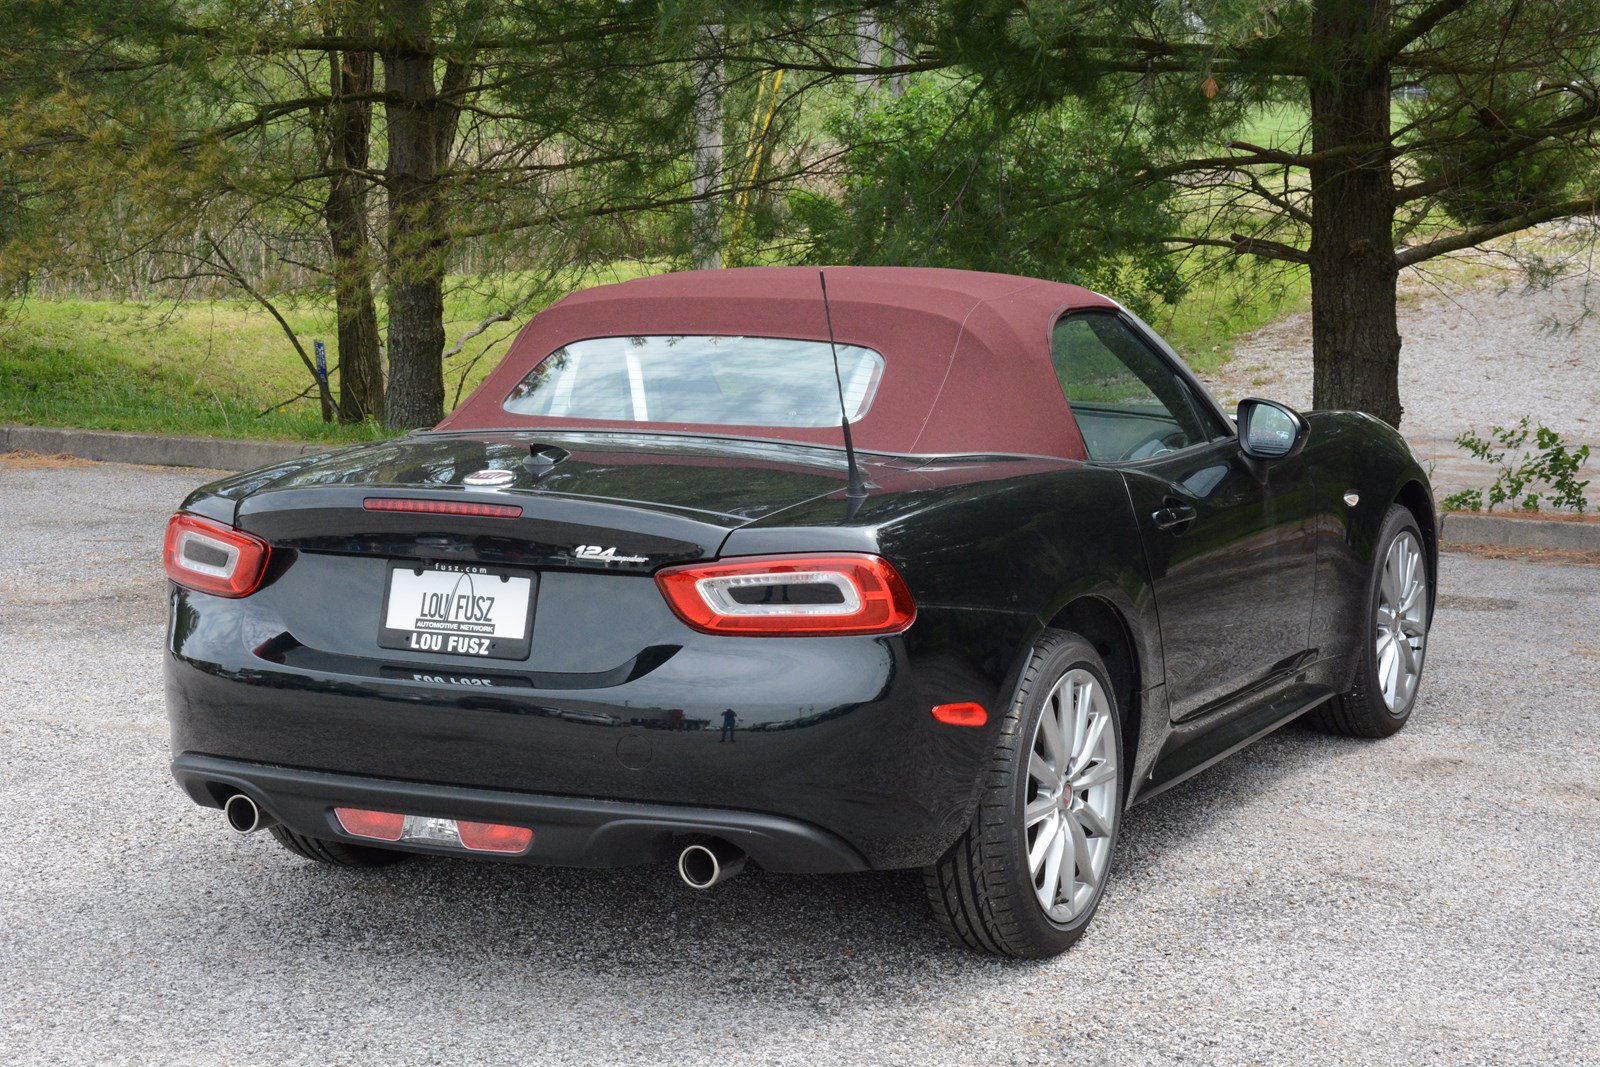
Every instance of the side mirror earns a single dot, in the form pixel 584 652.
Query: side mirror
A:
pixel 1268 430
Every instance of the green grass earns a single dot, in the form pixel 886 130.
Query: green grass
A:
pixel 1224 303
pixel 1276 126
pixel 207 367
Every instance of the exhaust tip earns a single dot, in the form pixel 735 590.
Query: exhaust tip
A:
pixel 243 815
pixel 702 866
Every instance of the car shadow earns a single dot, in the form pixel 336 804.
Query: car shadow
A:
pixel 849 929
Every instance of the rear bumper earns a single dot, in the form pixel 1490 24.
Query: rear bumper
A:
pixel 829 734
pixel 567 831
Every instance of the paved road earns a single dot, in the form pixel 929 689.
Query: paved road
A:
pixel 1431 898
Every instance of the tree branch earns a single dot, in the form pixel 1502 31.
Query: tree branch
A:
pixel 1489 231
pixel 1403 37
pixel 1245 245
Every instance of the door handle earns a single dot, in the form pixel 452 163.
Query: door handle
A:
pixel 1174 515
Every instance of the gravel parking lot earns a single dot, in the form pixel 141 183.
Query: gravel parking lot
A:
pixel 1434 897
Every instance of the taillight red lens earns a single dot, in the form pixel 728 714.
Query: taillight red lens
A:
pixel 791 596
pixel 493 837
pixel 378 825
pixel 213 557
pixel 442 507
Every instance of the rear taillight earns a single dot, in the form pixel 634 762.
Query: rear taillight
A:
pixel 790 596
pixel 213 557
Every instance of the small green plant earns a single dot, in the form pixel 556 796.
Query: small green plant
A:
pixel 1545 472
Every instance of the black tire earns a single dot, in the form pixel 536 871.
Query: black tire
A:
pixel 1362 711
pixel 981 890
pixel 335 853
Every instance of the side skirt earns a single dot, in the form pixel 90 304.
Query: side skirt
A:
pixel 1188 752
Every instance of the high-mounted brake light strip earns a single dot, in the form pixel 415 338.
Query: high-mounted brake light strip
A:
pixel 442 507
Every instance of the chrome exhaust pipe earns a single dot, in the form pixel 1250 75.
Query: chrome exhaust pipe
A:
pixel 244 816
pixel 708 863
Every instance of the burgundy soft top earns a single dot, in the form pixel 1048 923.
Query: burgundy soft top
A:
pixel 967 354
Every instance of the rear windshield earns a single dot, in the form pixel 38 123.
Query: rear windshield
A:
pixel 715 381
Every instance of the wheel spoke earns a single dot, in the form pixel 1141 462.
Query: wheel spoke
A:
pixel 1094 775
pixel 1080 717
pixel 1081 859
pixel 1050 831
pixel 1091 744
pixel 1057 754
pixel 1068 724
pixel 1092 822
pixel 1389 673
pixel 1040 770
pixel 1408 655
pixel 1051 885
pixel 1038 810
pixel 1389 583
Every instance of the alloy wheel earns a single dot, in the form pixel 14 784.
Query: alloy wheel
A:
pixel 1070 807
pixel 1401 624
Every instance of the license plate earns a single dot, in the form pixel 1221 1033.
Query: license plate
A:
pixel 457 610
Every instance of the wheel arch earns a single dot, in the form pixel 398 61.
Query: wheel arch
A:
pixel 1100 623
pixel 1415 498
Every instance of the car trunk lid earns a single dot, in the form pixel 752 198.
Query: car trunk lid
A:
pixel 612 502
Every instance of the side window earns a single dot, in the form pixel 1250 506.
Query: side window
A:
pixel 1127 401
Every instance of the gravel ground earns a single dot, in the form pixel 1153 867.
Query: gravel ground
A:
pixel 1434 897
pixel 1469 359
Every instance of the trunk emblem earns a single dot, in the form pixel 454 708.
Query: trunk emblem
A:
pixel 606 554
pixel 489 477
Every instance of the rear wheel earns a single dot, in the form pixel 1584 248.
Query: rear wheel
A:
pixel 335 853
pixel 1026 877
pixel 1394 623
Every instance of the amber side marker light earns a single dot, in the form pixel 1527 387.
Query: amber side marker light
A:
pixel 961 714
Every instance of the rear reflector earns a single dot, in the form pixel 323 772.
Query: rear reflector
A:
pixel 493 837
pixel 961 714
pixel 790 596
pixel 378 825
pixel 425 829
pixel 213 557
pixel 442 507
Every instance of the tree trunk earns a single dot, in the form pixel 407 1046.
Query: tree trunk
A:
pixel 349 135
pixel 1354 332
pixel 705 212
pixel 418 247
pixel 869 48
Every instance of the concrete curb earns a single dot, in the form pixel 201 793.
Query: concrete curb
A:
pixel 1465 528
pixel 154 449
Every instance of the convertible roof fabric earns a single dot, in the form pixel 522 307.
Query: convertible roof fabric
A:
pixel 966 354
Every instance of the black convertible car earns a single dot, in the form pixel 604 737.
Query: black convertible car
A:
pixel 914 569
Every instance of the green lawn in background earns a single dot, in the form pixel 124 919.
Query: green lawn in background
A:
pixel 206 367
pixel 1223 304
